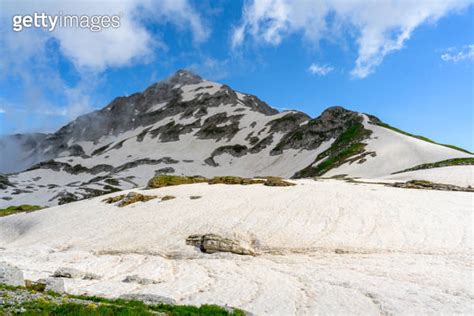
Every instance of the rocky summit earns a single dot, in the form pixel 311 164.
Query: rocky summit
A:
pixel 186 125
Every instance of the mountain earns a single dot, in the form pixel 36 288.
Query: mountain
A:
pixel 186 125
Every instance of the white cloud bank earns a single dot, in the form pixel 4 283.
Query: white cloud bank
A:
pixel 113 46
pixel 379 27
pixel 320 70
pixel 456 54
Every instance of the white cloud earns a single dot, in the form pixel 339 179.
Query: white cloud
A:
pixel 320 70
pixel 31 56
pixel 110 47
pixel 379 27
pixel 2 111
pixel 456 54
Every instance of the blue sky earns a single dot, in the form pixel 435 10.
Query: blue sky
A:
pixel 411 63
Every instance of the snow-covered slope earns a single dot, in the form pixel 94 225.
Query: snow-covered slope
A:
pixel 348 248
pixel 395 152
pixel 186 125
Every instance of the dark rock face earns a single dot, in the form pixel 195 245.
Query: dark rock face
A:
pixel 211 130
pixel 4 182
pixel 330 124
pixel 234 150
pixel 288 122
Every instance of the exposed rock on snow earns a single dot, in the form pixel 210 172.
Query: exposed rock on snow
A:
pixel 148 298
pixel 130 198
pixel 52 284
pixel 69 273
pixel 212 243
pixel 137 279
pixel 427 185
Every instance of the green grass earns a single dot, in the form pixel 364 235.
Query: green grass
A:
pixel 76 305
pixel 337 159
pixel 25 208
pixel 443 163
pixel 234 180
pixel 422 138
pixel 130 308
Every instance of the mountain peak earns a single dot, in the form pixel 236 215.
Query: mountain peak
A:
pixel 183 76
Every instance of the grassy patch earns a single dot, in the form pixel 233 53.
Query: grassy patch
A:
pixel 165 180
pixel 443 163
pixel 48 304
pixel 234 180
pixel 277 182
pixel 422 138
pixel 25 208
pixel 168 180
pixel 339 158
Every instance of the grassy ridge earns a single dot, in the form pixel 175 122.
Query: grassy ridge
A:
pixel 443 163
pixel 422 137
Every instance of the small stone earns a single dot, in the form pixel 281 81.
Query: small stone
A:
pixel 91 276
pixel 151 299
pixel 168 197
pixel 136 279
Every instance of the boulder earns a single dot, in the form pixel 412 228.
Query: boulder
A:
pixel 150 299
pixel 69 273
pixel 91 276
pixel 212 243
pixel 52 284
pixel 11 275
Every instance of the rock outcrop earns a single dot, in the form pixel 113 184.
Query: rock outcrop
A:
pixel 212 243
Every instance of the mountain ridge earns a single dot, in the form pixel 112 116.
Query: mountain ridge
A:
pixel 186 125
